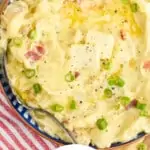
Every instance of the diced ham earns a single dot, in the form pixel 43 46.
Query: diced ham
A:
pixel 32 55
pixel 76 74
pixel 40 49
pixel 36 53
pixel 147 65
pixel 132 104
pixel 122 34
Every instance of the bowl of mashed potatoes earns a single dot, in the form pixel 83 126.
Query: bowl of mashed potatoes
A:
pixel 85 61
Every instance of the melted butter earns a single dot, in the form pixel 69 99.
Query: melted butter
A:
pixel 99 46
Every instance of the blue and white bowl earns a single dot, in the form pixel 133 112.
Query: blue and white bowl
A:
pixel 24 113
pixel 26 117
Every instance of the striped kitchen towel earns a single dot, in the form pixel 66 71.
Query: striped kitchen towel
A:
pixel 15 135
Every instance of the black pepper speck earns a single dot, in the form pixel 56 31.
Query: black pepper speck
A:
pixel 81 102
pixel 116 11
pixel 96 90
pixel 113 88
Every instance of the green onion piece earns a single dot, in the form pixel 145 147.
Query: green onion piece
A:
pixel 140 106
pixel 29 73
pixel 32 34
pixel 125 1
pixel 101 123
pixel 107 93
pixel 17 42
pixel 142 146
pixel 37 88
pixel 105 64
pixel 115 80
pixel 120 82
pixel 69 77
pixel 57 108
pixel 134 7
pixel 125 100
pixel 73 104
pixel 112 80
pixel 144 113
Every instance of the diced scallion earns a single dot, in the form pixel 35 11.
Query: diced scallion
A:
pixel 105 64
pixel 142 146
pixel 134 7
pixel 144 113
pixel 141 106
pixel 116 81
pixel 73 104
pixel 69 77
pixel 112 81
pixel 37 88
pixel 120 82
pixel 124 100
pixel 102 123
pixel 32 34
pixel 29 73
pixel 57 108
pixel 108 93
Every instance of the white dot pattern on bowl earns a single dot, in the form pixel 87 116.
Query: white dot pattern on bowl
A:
pixel 14 102
pixel 32 121
pixel 20 108
pixel 26 115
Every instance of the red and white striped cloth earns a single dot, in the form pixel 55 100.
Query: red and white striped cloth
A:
pixel 15 135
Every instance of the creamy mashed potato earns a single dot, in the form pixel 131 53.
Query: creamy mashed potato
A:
pixel 85 61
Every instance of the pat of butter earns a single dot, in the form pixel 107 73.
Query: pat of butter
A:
pixel 84 56
pixel 97 46
pixel 103 42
